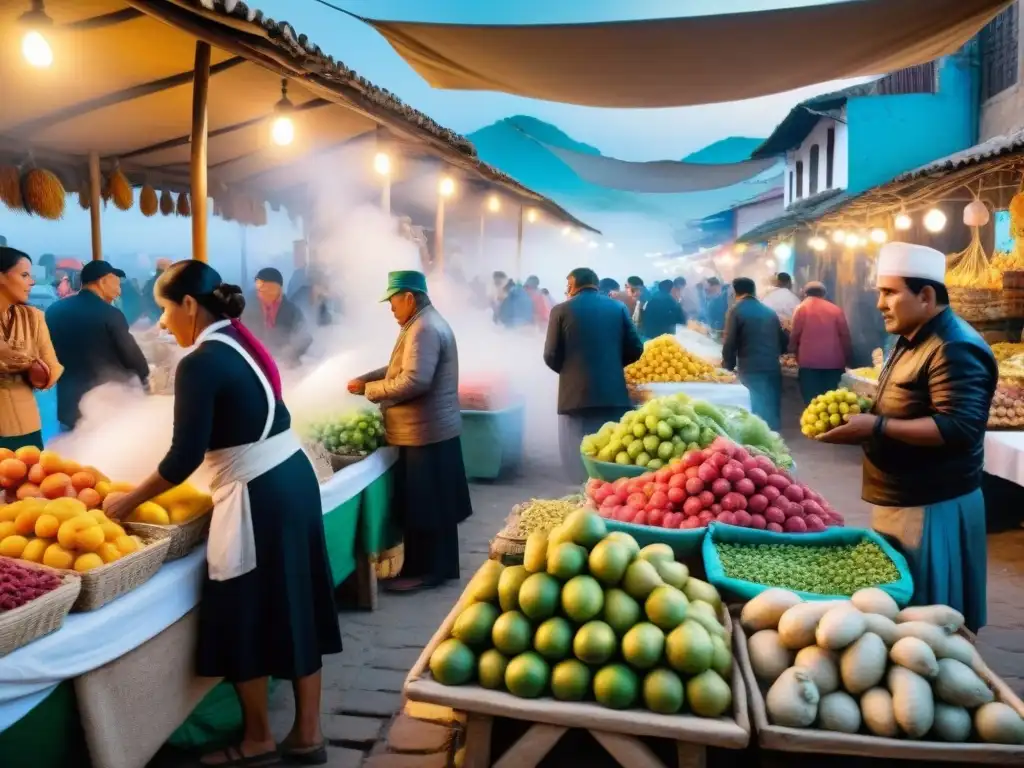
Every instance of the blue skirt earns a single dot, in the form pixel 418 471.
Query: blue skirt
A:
pixel 946 550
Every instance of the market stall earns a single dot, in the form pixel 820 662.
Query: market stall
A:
pixel 493 423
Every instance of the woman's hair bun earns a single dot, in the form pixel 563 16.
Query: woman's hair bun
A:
pixel 231 299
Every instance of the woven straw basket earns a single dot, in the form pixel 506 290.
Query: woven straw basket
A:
pixel 340 461
pixel 108 582
pixel 39 617
pixel 184 538
pixel 388 564
pixel 977 304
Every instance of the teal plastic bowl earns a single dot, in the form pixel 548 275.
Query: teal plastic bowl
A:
pixel 610 471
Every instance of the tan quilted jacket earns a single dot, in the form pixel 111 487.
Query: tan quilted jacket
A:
pixel 29 341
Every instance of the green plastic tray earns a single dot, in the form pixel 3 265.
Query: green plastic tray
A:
pixel 685 543
pixel 609 471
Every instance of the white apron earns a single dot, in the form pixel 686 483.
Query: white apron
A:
pixel 231 550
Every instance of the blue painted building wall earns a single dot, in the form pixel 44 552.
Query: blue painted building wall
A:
pixel 892 134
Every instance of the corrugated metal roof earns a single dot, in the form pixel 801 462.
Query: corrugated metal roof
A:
pixel 802 212
pixel 994 147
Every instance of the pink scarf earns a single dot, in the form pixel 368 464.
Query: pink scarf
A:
pixel 263 358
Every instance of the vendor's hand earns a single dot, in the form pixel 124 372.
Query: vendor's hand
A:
pixel 357 387
pixel 857 430
pixel 38 374
pixel 118 505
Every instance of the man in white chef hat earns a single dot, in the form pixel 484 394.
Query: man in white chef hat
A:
pixel 923 439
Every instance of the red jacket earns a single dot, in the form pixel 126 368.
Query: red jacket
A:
pixel 820 337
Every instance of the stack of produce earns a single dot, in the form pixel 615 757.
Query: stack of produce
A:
pixel 20 585
pixel 830 410
pixel 1007 408
pixel 863 666
pixel 723 483
pixel 539 515
pixel 589 613
pixel 358 433
pixel 990 277
pixel 1003 350
pixel 483 394
pixel 665 360
pixel 825 570
pixel 667 427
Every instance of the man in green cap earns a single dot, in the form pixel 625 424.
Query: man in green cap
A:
pixel 418 392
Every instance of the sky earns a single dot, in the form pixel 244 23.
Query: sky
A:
pixel 627 134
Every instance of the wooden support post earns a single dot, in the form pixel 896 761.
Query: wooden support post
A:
pixel 439 237
pixel 95 183
pixel 478 741
pixel 519 246
pixel 198 164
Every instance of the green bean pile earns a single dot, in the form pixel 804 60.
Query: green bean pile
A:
pixel 839 570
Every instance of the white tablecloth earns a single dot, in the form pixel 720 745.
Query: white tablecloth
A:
pixel 89 640
pixel 1004 455
pixel 718 394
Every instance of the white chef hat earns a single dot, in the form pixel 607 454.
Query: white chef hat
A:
pixel 910 260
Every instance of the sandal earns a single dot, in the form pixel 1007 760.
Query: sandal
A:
pixel 235 759
pixel 315 755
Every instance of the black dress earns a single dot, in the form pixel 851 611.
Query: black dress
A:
pixel 279 619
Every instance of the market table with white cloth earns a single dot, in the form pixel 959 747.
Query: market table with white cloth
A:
pixel 1004 455
pixel 102 638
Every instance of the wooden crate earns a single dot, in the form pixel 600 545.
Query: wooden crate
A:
pixel 783 739
pixel 619 732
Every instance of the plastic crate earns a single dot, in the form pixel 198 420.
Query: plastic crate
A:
pixel 492 442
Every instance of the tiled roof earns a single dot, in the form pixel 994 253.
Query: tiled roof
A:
pixel 994 147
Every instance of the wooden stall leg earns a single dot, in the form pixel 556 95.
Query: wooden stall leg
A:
pixel 366 583
pixel 478 741
pixel 532 747
pixel 629 751
pixel 691 755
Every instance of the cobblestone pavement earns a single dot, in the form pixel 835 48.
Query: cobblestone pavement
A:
pixel 362 685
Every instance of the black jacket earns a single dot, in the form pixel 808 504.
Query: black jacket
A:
pixel 92 342
pixel 289 339
pixel 946 371
pixel 591 338
pixel 754 338
pixel 660 315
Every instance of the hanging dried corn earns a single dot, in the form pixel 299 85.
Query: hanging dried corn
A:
pixel 149 203
pixel 84 201
pixel 183 209
pixel 105 189
pixel 10 188
pixel 43 194
pixel 121 190
pixel 166 203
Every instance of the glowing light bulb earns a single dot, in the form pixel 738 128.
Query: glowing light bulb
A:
pixel 531 215
pixel 839 237
pixel 493 204
pixel 283 131
pixel 852 241
pixel 934 220
pixel 447 187
pixel 817 243
pixel 903 222
pixel 879 235
pixel 382 164
pixel 36 49
pixel 783 250
pixel 566 231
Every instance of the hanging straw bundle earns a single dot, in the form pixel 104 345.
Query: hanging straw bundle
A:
pixel 970 267
pixel 84 195
pixel 166 203
pixel 43 194
pixel 183 209
pixel 149 203
pixel 10 188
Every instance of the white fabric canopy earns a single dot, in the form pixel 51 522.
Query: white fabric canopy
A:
pixel 694 60
pixel 89 640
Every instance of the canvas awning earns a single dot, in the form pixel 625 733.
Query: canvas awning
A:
pixel 685 61
pixel 121 85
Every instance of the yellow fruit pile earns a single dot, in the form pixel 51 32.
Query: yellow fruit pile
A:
pixel 665 360
pixel 1002 261
pixel 1006 349
pixel 62 533
pixel 831 409
pixel 866 373
pixel 174 507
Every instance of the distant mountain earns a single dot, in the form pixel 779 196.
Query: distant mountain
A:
pixel 505 146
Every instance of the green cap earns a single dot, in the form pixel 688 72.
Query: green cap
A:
pixel 405 280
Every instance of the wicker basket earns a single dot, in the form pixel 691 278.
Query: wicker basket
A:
pixel 108 582
pixel 977 304
pixel 184 538
pixel 340 461
pixel 39 617
pixel 388 564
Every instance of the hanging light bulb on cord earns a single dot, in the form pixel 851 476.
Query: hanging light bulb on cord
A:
pixel 282 130
pixel 903 222
pixel 34 47
pixel 934 220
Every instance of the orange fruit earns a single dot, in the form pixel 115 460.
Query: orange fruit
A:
pixel 13 546
pixel 36 474
pixel 25 522
pixel 55 486
pixel 58 557
pixel 47 526
pixel 28 454
pixel 6 453
pixel 51 462
pixel 13 469
pixel 82 480
pixel 35 550
pixel 28 491
pixel 89 539
pixel 87 562
pixel 90 497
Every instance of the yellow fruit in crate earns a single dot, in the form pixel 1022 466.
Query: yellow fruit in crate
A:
pixel 103 487
pixel 65 508
pixel 7 529
pixel 89 539
pixel 111 530
pixel 9 512
pixel 13 546
pixel 109 552
pixel 25 522
pixel 128 544
pixel 58 557
pixel 88 561
pixel 47 526
pixel 98 515
pixel 68 534
pixel 122 487
pixel 664 359
pixel 151 513
pixel 35 550
pixel 179 514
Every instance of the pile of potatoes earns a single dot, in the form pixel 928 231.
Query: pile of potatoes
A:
pixel 864 666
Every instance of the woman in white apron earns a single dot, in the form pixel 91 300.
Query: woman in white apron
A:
pixel 267 608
